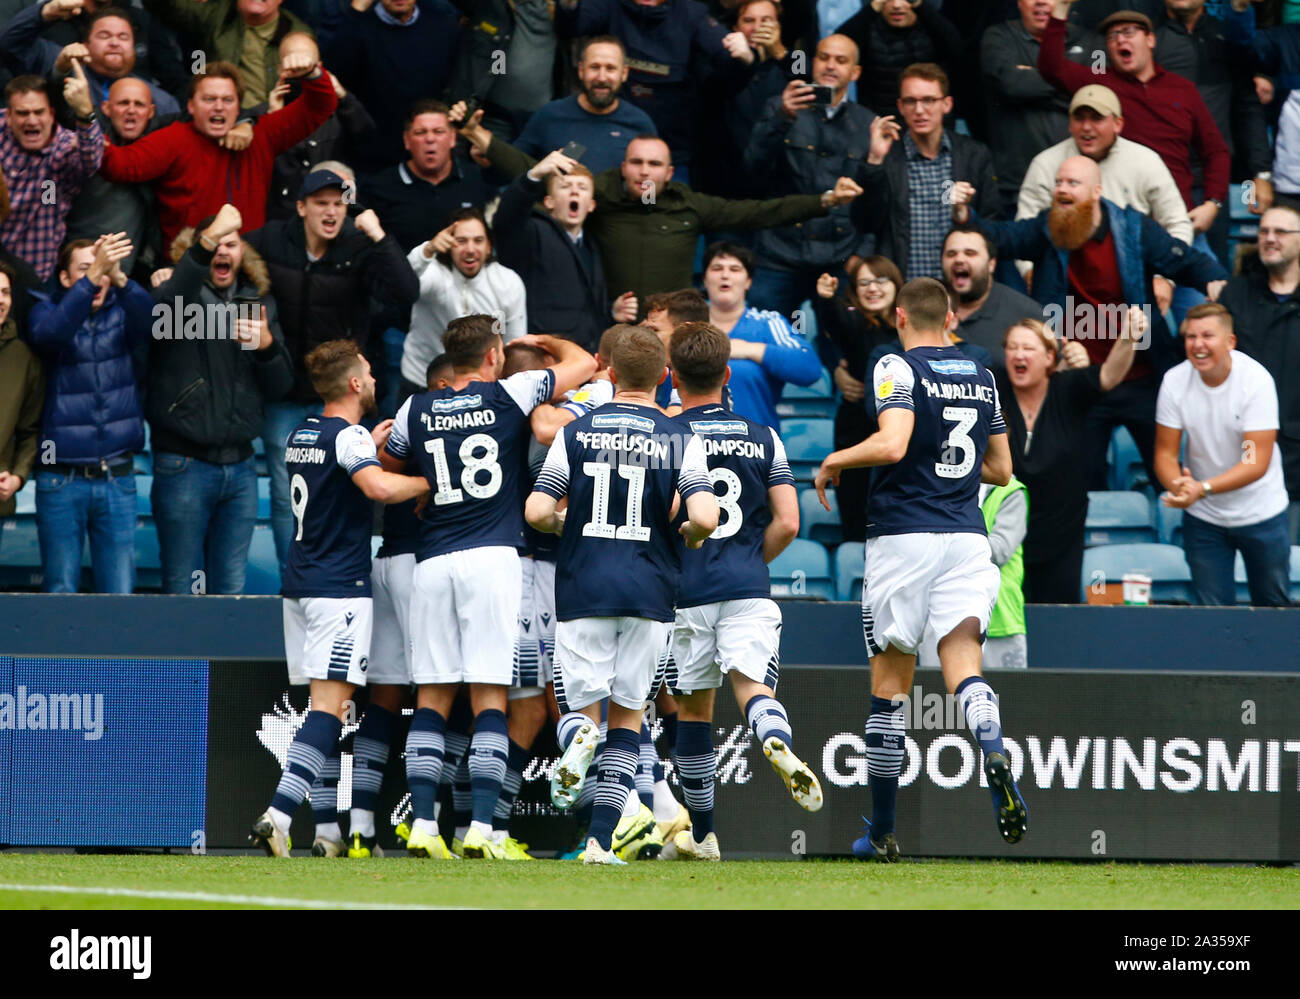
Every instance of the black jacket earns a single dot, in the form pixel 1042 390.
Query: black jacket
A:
pixel 1269 331
pixel 1026 114
pixel 205 395
pixel 886 51
pixel 329 299
pixel 885 208
pixel 805 155
pixel 566 287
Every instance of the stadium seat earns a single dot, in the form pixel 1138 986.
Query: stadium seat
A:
pixel 1169 524
pixel 259 457
pixel 264 499
pixel 26 500
pixel 1116 518
pixel 263 573
pixel 148 557
pixel 1127 470
pixel 815 522
pixel 1295 574
pixel 1165 564
pixel 802 570
pixel 807 443
pixel 143 487
pixel 20 553
pixel 848 570
pixel 815 401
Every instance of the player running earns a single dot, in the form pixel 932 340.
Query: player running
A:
pixel 625 469
pixel 334 475
pixel 470 441
pixel 727 623
pixel 928 561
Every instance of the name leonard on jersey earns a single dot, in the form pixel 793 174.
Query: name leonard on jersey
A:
pixel 446 414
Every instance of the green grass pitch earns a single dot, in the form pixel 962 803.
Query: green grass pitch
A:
pixel 43 881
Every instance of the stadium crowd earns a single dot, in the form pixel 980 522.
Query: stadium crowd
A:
pixel 198 193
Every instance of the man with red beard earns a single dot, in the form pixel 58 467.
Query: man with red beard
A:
pixel 1092 261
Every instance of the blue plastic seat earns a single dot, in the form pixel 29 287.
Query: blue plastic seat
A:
pixel 263 499
pixel 849 558
pixel 263 573
pixel 143 487
pixel 807 443
pixel 802 571
pixel 20 553
pixel 817 401
pixel 1165 564
pixel 148 556
pixel 1118 518
pixel 1169 524
pixel 26 499
pixel 1127 470
pixel 815 522
pixel 1295 574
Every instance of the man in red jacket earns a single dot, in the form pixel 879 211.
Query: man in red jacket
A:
pixel 193 175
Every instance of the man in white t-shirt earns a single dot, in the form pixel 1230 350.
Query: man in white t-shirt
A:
pixel 1231 486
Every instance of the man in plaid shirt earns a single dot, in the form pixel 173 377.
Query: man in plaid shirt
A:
pixel 44 165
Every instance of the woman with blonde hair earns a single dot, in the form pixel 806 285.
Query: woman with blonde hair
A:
pixel 1046 389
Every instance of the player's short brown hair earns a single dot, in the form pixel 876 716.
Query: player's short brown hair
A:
pixel 219 70
pixel 638 360
pixel 926 303
pixel 331 365
pixel 684 306
pixel 700 353
pixel 611 336
pixel 524 357
pixel 468 339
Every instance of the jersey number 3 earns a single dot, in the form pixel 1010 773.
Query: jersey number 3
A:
pixel 959 439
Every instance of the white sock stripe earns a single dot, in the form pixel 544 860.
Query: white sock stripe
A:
pixel 292 786
pixel 457 743
pixel 369 750
pixel 697 766
pixel 305 756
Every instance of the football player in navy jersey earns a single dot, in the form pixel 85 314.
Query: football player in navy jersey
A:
pixel 928 562
pixel 334 476
pixel 390 655
pixel 727 623
pixel 625 469
pixel 470 441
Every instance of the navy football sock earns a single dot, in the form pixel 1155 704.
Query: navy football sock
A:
pixel 884 762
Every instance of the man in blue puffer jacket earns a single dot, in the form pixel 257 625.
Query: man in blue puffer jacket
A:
pixel 93 422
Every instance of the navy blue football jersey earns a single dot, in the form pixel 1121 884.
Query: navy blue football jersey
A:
pixel 471 444
pixel 935 487
pixel 620 466
pixel 329 554
pixel 745 459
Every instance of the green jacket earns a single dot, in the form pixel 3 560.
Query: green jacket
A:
pixel 22 397
pixel 649 248
pixel 217 26
pixel 1008 616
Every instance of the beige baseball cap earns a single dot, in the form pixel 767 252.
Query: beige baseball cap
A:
pixel 1097 97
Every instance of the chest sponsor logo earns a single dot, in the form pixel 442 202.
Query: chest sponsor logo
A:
pixel 305 437
pixel 720 427
pixel 623 421
pixel 953 367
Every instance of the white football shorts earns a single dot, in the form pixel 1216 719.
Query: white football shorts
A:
pixel 535 641
pixel 390 645
pixel 711 640
pixel 622 658
pixel 465 615
pixel 911 581
pixel 327 638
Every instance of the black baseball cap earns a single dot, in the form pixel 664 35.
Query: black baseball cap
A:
pixel 318 180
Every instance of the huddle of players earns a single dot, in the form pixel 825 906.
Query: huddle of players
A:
pixel 641 494
pixel 670 521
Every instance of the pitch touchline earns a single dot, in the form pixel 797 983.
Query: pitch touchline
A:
pixel 202 896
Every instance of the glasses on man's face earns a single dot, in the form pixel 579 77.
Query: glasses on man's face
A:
pixel 910 103
pixel 872 282
pixel 1278 232
pixel 1125 33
